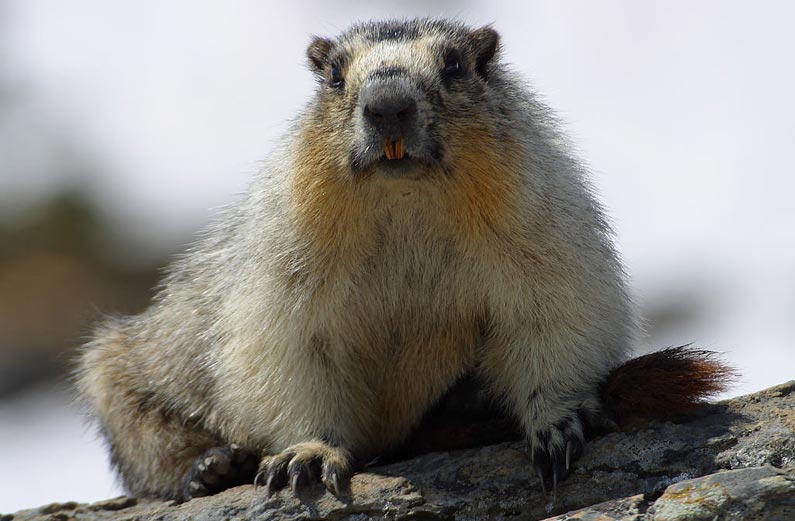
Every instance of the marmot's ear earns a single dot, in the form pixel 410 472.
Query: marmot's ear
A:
pixel 484 43
pixel 317 52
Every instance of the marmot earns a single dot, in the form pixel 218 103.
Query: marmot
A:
pixel 424 219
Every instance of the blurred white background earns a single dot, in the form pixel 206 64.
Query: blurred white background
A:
pixel 683 110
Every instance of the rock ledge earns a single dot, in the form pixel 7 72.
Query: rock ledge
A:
pixel 733 460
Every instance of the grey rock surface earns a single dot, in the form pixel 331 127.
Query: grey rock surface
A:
pixel 732 460
pixel 757 493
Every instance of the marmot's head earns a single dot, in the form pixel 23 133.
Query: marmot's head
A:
pixel 403 98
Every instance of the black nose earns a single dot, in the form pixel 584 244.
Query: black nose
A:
pixel 390 108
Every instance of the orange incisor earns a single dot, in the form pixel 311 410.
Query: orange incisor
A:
pixel 394 149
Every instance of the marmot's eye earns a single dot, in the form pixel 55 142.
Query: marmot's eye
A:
pixel 452 64
pixel 335 78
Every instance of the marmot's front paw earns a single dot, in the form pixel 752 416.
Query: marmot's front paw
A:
pixel 554 448
pixel 218 469
pixel 304 463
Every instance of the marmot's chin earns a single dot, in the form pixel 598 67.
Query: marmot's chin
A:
pixel 407 167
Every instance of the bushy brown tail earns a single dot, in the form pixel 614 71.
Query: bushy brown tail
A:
pixel 664 384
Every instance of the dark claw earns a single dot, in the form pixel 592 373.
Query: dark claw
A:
pixel 554 479
pixel 258 477
pixel 302 473
pixel 276 475
pixel 552 463
pixel 568 455
pixel 333 484
pixel 298 475
pixel 270 485
pixel 542 479
pixel 559 473
pixel 217 469
pixel 333 478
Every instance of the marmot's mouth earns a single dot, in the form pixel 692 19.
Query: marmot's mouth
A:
pixel 393 154
pixel 394 149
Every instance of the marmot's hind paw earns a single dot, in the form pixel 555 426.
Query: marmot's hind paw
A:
pixel 554 448
pixel 305 463
pixel 217 469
